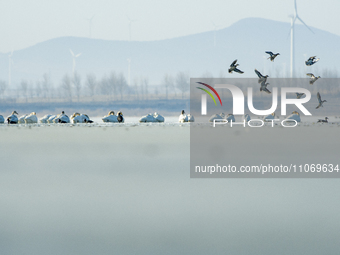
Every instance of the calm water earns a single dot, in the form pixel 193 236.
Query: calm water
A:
pixel 126 190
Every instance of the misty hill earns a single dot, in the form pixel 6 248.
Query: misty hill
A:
pixel 245 40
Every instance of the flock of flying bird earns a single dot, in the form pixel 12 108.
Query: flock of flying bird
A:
pixel 263 78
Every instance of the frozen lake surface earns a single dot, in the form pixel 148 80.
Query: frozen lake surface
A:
pixel 97 189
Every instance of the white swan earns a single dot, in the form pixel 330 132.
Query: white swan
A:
pixel 62 118
pixel 32 118
pixel 246 117
pixel 148 118
pixel 45 118
pixel 21 119
pixel 183 117
pixel 13 118
pixel 51 118
pixel 269 117
pixel 294 116
pixel 80 118
pixel 190 118
pixel 230 117
pixel 158 117
pixel 2 120
pixel 111 117
pixel 217 117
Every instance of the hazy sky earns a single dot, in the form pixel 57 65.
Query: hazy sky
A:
pixel 26 22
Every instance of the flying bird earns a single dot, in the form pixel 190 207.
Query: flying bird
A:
pixel 264 87
pixel 233 67
pixel 323 121
pixel 299 95
pixel 312 61
pixel 272 55
pixel 261 77
pixel 320 101
pixel 313 78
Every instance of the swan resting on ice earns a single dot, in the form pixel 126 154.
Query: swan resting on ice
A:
pixel 111 117
pixel 51 118
pixel 217 117
pixel 13 118
pixel 152 118
pixel 185 117
pixel 32 118
pixel 230 117
pixel 269 117
pixel 2 120
pixel 246 117
pixel 80 118
pixel 21 119
pixel 294 116
pixel 45 118
pixel 62 118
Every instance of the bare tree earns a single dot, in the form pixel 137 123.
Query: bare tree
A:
pixel 38 88
pixel 66 86
pixel 182 82
pixel 135 82
pixel 46 85
pixel 77 84
pixel 91 84
pixel 168 83
pixel 112 84
pixel 121 85
pixel 24 89
pixel 145 82
pixel 3 87
pixel 104 86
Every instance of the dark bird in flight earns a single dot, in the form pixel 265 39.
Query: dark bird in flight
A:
pixel 272 55
pixel 233 67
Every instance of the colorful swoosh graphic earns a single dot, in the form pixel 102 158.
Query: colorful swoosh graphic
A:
pixel 208 94
pixel 213 90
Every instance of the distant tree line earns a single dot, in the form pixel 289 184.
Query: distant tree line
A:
pixel 114 86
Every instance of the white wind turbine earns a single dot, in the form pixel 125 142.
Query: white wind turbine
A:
pixel 292 55
pixel 130 23
pixel 74 61
pixel 10 63
pixel 215 30
pixel 90 25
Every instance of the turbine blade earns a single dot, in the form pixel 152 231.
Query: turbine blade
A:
pixel 304 24
pixel 78 55
pixel 295 7
pixel 72 52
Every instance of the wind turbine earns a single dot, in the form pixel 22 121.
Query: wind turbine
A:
pixel 74 61
pixel 129 71
pixel 293 19
pixel 10 63
pixel 90 25
pixel 215 30
pixel 130 22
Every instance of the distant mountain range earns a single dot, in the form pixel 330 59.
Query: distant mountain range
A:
pixel 245 40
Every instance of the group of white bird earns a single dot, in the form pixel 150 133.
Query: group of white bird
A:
pixel 84 118
pixel 246 117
